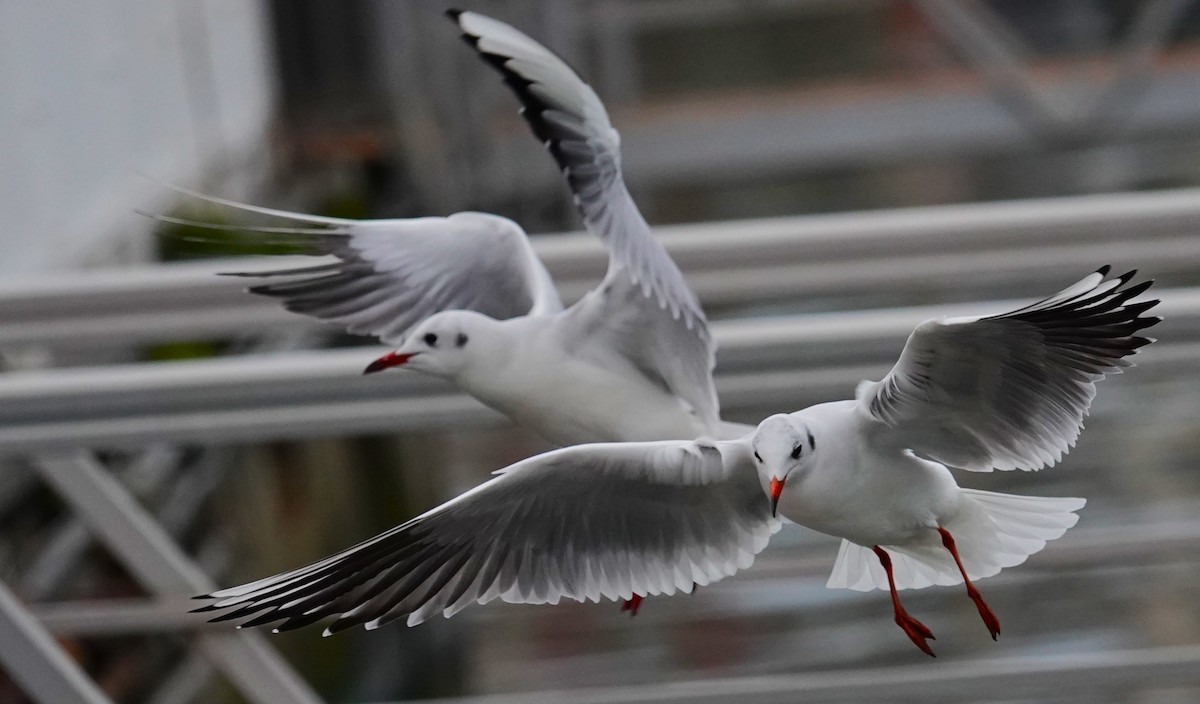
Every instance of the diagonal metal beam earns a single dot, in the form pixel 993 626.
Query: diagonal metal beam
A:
pixel 70 538
pixel 160 565
pixel 1150 31
pixel 36 663
pixel 984 39
pixel 987 42
pixel 185 683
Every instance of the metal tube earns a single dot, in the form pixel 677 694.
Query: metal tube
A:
pixel 146 550
pixel 36 663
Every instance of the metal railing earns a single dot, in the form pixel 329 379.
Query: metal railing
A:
pixel 765 363
pixel 964 252
pixel 998 680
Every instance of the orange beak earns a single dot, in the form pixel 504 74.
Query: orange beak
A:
pixel 387 361
pixel 776 490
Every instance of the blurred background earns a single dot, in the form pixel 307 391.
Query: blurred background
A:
pixel 826 173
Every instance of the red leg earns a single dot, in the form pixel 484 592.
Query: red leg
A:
pixel 916 631
pixel 985 611
pixel 632 605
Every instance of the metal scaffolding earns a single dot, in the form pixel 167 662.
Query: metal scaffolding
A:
pixel 56 419
pixel 70 398
pixel 853 260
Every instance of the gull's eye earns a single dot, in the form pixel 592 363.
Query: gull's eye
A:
pixel 461 339
pixel 757 457
pixel 430 339
pixel 796 452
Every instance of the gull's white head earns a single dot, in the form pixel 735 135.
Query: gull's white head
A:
pixel 442 345
pixel 781 445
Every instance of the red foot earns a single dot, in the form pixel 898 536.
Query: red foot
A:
pixel 916 631
pixel 985 612
pixel 632 605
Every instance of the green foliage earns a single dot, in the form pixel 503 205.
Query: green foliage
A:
pixel 183 349
pixel 180 242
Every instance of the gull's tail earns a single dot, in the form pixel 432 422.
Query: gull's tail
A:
pixel 992 531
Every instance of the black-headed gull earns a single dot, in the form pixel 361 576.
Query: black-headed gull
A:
pixel 465 298
pixel 617 520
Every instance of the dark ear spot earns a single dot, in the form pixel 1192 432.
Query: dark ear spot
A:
pixel 812 443
pixel 430 339
pixel 461 339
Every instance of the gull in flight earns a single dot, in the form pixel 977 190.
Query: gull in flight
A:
pixel 616 520
pixel 466 299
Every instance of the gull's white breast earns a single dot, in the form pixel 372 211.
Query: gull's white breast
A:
pixel 858 489
pixel 570 401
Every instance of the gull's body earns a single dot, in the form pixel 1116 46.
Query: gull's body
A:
pixel 537 376
pixel 863 488
pixel 466 299
pixel 617 520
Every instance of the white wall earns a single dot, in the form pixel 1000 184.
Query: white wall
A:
pixel 93 92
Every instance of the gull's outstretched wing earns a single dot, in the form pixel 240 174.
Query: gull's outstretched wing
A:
pixel 390 275
pixel 569 118
pixel 1010 391
pixel 590 521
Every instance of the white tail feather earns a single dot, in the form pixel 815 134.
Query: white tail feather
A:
pixel 993 531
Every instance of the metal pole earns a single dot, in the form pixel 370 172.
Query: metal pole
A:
pixel 146 550
pixel 1007 679
pixel 35 661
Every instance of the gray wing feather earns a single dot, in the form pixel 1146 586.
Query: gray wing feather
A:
pixel 610 327
pixel 392 274
pixel 582 523
pixel 568 117
pixel 1010 391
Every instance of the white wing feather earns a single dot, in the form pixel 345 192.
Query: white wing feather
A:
pixel 591 521
pixel 1009 391
pixel 569 118
pixel 993 532
pixel 390 275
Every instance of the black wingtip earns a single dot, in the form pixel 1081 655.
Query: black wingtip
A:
pixel 454 13
pixel 262 619
pixel 1138 289
pixel 471 40
pixel 204 596
pixel 338 626
pixel 1103 271
pixel 235 614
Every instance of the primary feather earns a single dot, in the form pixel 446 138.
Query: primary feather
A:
pixel 1010 391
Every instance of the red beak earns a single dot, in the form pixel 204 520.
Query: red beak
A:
pixel 776 490
pixel 387 361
